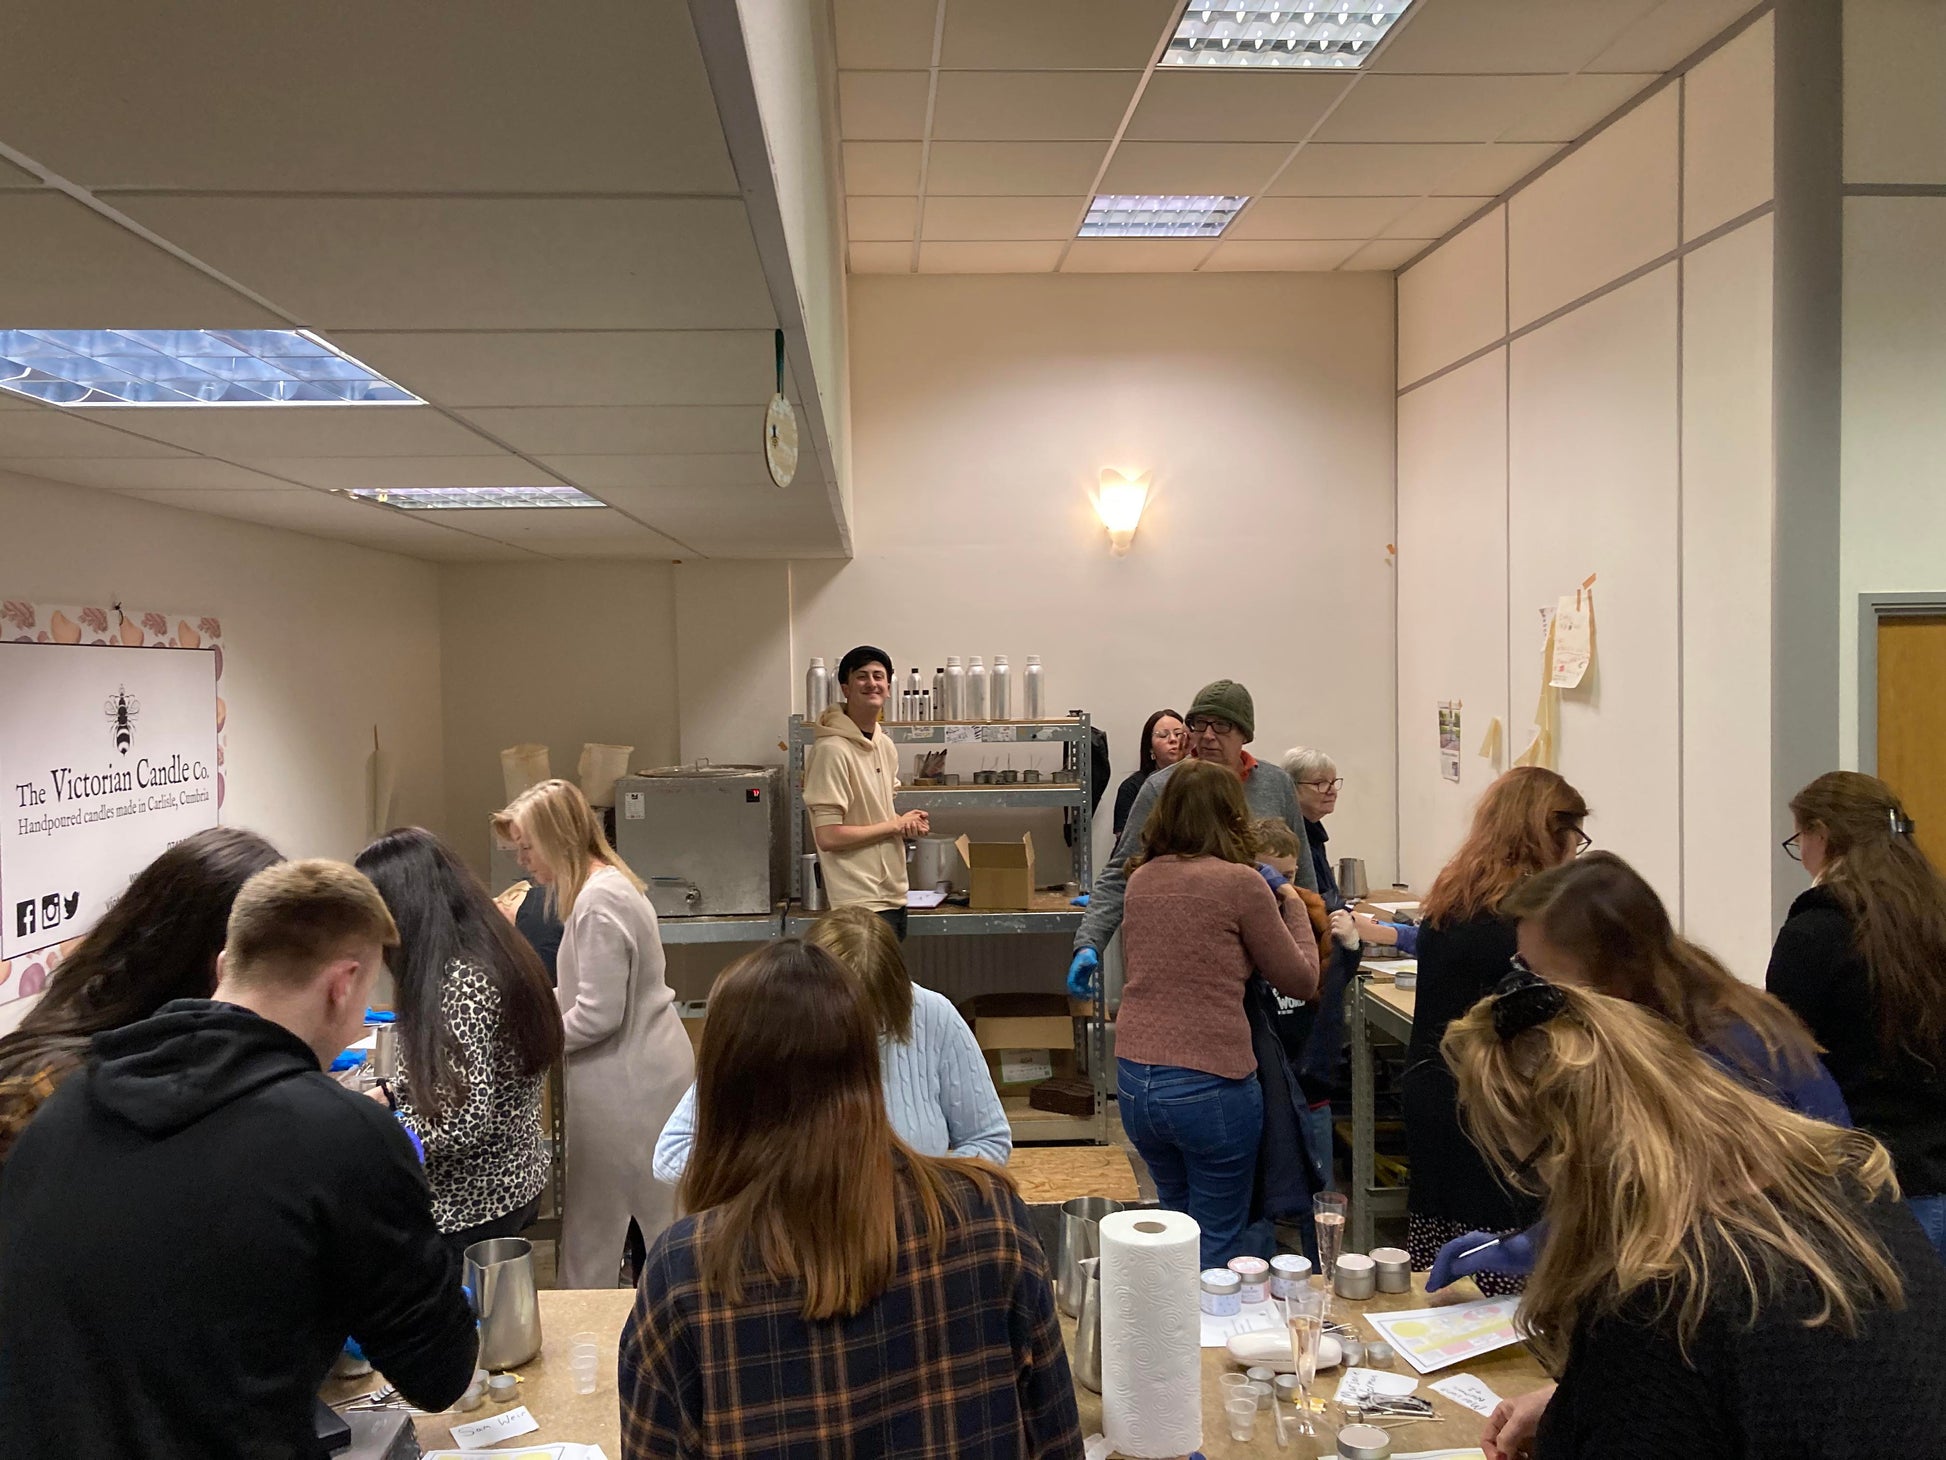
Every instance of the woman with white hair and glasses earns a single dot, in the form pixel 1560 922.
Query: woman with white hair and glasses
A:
pixel 1318 783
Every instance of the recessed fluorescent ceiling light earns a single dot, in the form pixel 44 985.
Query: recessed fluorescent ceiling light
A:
pixel 434 499
pixel 1253 33
pixel 1159 216
pixel 189 368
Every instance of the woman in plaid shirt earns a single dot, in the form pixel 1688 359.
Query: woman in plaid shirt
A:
pixel 834 1292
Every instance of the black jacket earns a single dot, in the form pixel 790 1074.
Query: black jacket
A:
pixel 1125 795
pixel 188 1232
pixel 1817 969
pixel 1459 964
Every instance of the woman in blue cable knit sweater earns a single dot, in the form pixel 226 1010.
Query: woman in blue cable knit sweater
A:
pixel 938 1091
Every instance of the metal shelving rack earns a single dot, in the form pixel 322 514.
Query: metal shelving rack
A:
pixel 1073 734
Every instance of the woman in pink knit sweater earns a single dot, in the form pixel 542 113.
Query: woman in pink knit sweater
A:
pixel 1200 917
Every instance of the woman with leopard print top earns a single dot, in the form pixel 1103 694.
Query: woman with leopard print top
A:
pixel 478 1032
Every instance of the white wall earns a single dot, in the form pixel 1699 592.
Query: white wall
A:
pixel 322 641
pixel 556 654
pixel 1616 421
pixel 1894 439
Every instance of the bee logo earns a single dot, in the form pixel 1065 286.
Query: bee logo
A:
pixel 121 708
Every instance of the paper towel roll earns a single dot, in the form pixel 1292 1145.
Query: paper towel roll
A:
pixel 1151 1334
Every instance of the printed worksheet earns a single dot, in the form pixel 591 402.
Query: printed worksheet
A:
pixel 1435 1338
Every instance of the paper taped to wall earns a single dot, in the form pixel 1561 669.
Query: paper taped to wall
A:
pixel 1573 638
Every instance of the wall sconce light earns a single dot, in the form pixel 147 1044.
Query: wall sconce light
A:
pixel 1119 500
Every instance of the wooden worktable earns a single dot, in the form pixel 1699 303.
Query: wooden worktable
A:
pixel 1508 1372
pixel 548 1391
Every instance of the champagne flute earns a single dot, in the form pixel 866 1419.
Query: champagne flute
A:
pixel 1304 1316
pixel 1328 1211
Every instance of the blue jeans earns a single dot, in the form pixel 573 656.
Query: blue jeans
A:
pixel 1931 1212
pixel 1198 1133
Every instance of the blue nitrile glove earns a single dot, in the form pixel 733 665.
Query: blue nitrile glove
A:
pixel 1513 1256
pixel 1081 901
pixel 1271 875
pixel 1081 973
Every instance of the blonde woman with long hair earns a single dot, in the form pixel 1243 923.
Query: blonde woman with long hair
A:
pixel 1722 1277
pixel 1862 960
pixel 628 1060
pixel 938 1091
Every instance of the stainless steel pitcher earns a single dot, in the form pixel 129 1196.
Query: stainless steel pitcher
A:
pixel 1080 1240
pixel 501 1274
pixel 1351 878
pixel 1087 1331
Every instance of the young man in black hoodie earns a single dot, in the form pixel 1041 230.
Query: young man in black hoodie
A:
pixel 190 1229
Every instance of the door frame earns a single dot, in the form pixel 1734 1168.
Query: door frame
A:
pixel 1871 608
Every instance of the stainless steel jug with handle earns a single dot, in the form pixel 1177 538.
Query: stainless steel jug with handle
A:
pixel 501 1274
pixel 1080 1240
pixel 1351 878
pixel 1087 1332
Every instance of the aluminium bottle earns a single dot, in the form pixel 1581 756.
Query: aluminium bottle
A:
pixel 815 682
pixel 1000 690
pixel 1032 695
pixel 976 689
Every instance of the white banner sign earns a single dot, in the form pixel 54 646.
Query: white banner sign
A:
pixel 107 758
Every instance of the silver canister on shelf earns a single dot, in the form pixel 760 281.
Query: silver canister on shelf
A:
pixel 955 689
pixel 816 689
pixel 1080 1239
pixel 1000 689
pixel 501 1274
pixel 915 691
pixel 1032 690
pixel 939 693
pixel 813 894
pixel 976 689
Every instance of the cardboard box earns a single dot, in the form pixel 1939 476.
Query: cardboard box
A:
pixel 1000 874
pixel 1027 1038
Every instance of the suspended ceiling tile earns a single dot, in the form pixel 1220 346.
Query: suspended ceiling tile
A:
pixel 1357 218
pixel 388 473
pixel 1248 106
pixel 759 520
pixel 1031 106
pixel 1370 169
pixel 605 474
pixel 883 106
pixel 45 431
pixel 991 35
pixel 255 432
pixel 607 430
pixel 1385 254
pixel 543 528
pixel 989 258
pixel 639 545
pixel 1193 167
pixel 366 95
pixel 479 263
pixel 1013 169
pixel 67 267
pixel 886 168
pixel 1433 217
pixel 1435 108
pixel 1669 34
pixel 976 220
pixel 880 258
pixel 885 35
pixel 146 474
pixel 1245 255
pixel 320 514
pixel 581 368
pixel 1136 255
pixel 1489 170
pixel 1577 105
pixel 881 220
pixel 1480 36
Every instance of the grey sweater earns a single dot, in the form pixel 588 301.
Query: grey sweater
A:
pixel 1267 791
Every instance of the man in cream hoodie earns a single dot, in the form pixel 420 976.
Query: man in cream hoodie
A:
pixel 848 785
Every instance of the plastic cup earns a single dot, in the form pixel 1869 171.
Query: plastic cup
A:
pixel 590 1338
pixel 1233 1381
pixel 1243 1418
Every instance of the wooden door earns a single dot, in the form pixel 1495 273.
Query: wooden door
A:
pixel 1912 721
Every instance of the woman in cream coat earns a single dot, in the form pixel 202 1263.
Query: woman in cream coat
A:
pixel 628 1059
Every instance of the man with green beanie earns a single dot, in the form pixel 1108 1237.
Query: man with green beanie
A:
pixel 1222 720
